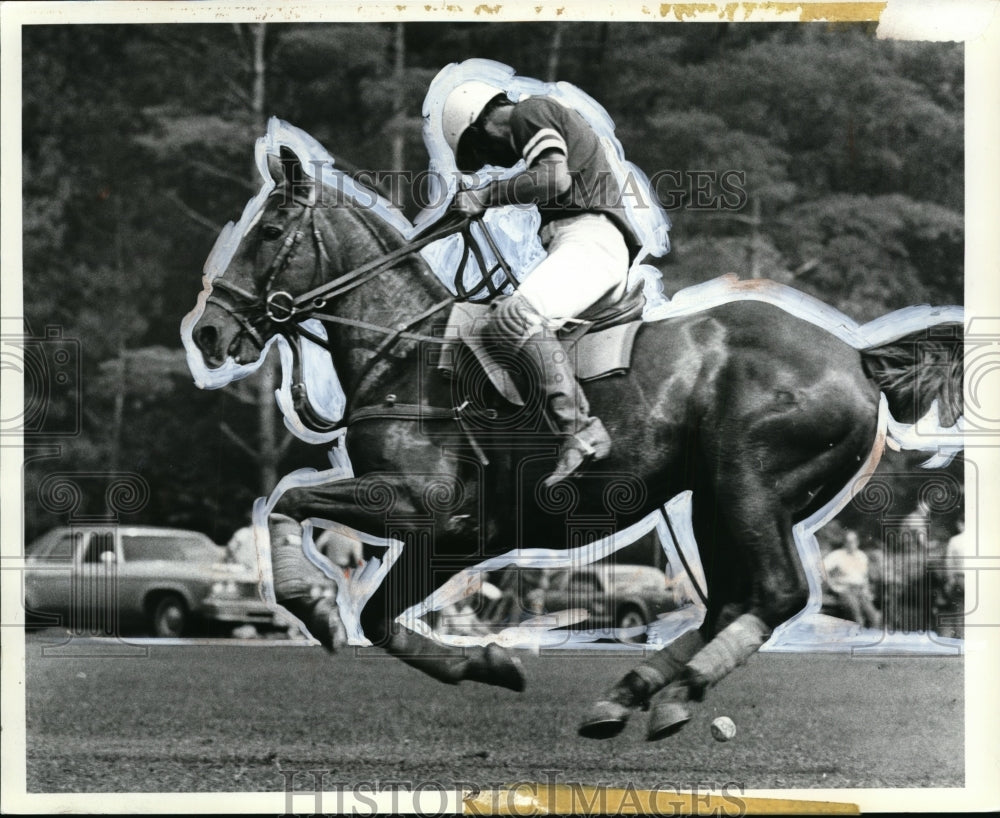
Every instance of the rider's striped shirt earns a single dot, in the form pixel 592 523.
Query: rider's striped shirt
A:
pixel 540 124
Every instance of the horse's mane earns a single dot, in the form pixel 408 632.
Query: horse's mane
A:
pixel 362 179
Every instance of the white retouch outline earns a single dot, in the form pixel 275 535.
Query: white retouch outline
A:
pixel 515 230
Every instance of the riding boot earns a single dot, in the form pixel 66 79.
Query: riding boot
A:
pixel 513 320
pixel 289 567
pixel 491 665
pixel 583 437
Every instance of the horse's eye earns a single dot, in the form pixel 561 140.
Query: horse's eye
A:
pixel 270 232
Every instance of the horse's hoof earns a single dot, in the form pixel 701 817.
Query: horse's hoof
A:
pixel 497 667
pixel 665 719
pixel 606 719
pixel 326 625
pixel 337 632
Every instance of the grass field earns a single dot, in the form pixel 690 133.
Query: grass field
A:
pixel 232 717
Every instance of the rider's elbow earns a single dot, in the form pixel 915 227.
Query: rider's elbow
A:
pixel 554 174
pixel 560 180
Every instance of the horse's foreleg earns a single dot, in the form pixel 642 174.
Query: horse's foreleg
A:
pixel 362 505
pixel 408 581
pixel 289 569
pixel 490 665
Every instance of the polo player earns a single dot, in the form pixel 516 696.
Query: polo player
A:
pixel 584 228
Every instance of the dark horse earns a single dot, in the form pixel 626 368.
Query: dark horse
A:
pixel 764 416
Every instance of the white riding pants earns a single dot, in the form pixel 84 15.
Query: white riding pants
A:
pixel 587 261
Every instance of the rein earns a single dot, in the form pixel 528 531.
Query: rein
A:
pixel 305 306
pixel 282 307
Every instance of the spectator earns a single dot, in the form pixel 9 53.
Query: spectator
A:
pixel 954 583
pixel 847 575
pixel 954 556
pixel 916 528
pixel 907 599
pixel 343 550
pixel 241 547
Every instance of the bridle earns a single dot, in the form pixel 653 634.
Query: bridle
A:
pixel 278 307
pixel 250 310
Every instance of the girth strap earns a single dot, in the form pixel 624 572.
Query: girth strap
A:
pixel 391 410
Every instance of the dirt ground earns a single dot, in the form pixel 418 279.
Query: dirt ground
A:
pixel 238 716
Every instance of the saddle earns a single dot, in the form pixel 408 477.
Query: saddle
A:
pixel 599 342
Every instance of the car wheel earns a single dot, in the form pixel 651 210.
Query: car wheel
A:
pixel 32 621
pixel 631 617
pixel 170 616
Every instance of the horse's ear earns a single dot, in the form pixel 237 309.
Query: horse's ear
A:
pixel 276 168
pixel 284 167
pixel 287 171
pixel 289 158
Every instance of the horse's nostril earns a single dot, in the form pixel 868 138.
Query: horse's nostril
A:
pixel 207 337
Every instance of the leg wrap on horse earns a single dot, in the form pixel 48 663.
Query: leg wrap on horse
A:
pixel 607 716
pixel 730 648
pixel 289 568
pixel 638 686
pixel 289 565
pixel 669 662
pixel 491 665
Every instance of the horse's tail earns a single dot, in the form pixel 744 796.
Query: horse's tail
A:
pixel 915 370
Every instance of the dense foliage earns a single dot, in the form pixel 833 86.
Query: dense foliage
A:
pixel 137 144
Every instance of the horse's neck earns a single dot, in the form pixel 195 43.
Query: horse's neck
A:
pixel 392 298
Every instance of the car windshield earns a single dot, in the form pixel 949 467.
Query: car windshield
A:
pixel 56 545
pixel 173 547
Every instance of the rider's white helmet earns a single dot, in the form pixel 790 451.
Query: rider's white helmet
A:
pixel 463 106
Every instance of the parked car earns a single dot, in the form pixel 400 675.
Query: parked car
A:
pixel 616 596
pixel 102 580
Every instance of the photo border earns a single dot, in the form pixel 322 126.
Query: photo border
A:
pixel 974 22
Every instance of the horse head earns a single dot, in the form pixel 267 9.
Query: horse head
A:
pixel 319 263
pixel 279 252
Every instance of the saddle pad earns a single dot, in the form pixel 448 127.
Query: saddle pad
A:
pixel 595 355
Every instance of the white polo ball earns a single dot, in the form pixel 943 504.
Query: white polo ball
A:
pixel 723 728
